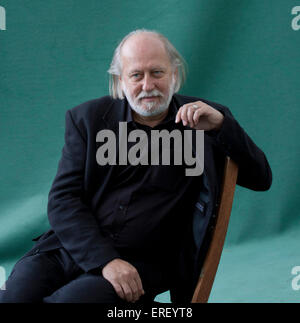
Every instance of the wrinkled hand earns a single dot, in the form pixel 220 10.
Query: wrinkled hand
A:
pixel 200 116
pixel 125 279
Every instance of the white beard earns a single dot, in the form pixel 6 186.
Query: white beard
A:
pixel 152 108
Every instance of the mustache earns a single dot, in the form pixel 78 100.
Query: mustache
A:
pixel 145 94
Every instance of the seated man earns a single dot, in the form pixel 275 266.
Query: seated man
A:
pixel 122 232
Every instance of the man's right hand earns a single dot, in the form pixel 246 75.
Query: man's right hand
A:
pixel 125 279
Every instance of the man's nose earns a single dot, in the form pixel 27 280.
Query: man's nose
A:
pixel 148 83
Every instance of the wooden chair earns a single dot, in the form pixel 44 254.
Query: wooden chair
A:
pixel 213 255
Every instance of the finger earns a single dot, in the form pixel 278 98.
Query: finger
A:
pixel 184 115
pixel 127 291
pixel 190 113
pixel 118 289
pixel 140 285
pixel 178 116
pixel 135 290
pixel 196 116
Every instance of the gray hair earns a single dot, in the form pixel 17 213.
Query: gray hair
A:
pixel 115 69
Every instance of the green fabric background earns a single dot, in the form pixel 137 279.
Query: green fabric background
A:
pixel 243 54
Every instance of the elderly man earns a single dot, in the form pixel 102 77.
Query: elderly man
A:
pixel 123 232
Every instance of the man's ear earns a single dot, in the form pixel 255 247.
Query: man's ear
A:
pixel 175 79
pixel 176 74
pixel 120 79
pixel 121 85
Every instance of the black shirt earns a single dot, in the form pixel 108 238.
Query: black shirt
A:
pixel 145 207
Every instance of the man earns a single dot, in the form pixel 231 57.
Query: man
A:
pixel 125 233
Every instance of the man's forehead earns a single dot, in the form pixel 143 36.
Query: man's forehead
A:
pixel 144 47
pixel 152 67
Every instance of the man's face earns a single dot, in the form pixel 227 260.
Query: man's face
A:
pixel 147 77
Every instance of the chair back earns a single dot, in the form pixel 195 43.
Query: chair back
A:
pixel 213 255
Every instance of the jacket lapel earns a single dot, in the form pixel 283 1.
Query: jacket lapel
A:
pixel 114 114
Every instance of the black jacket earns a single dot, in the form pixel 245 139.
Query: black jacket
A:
pixel 80 182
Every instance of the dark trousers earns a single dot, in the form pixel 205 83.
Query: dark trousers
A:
pixel 53 277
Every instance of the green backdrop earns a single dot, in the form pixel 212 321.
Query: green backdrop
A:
pixel 243 54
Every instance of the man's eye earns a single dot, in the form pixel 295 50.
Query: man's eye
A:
pixel 136 75
pixel 158 73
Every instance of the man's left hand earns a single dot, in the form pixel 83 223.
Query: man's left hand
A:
pixel 200 116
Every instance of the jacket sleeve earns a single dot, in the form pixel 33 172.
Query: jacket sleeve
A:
pixel 254 170
pixel 70 218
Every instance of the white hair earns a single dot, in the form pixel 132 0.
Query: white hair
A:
pixel 115 69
